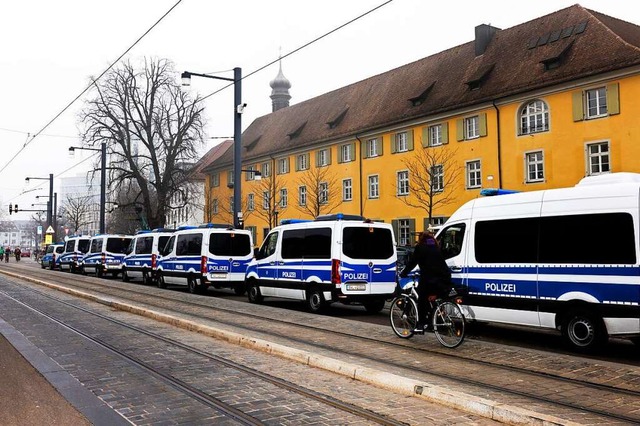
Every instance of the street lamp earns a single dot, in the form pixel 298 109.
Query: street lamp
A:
pixel 49 208
pixel 103 178
pixel 238 109
pixel 256 173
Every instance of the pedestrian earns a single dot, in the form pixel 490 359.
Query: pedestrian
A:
pixel 17 252
pixel 1 252
pixel 435 275
pixel 7 253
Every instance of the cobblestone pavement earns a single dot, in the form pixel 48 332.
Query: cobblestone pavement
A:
pixel 144 399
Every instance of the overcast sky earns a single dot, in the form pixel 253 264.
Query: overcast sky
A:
pixel 50 48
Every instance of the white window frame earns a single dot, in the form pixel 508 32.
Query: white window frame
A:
pixel 435 135
pixel 323 192
pixel 284 198
pixel 404 232
pixel 302 195
pixel 345 152
pixel 598 98
pixel 251 202
pixel 215 180
pixel 347 189
pixel 402 183
pixel 373 187
pixel 372 148
pixel 534 117
pixel 250 175
pixel 303 162
pixel 402 142
pixel 214 206
pixel 230 177
pixel 437 178
pixel 265 169
pixel 472 127
pixel 534 166
pixel 266 200
pixel 595 158
pixel 323 157
pixel 473 174
pixel 283 166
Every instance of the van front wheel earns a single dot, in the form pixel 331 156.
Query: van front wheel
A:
pixel 315 301
pixel 253 293
pixel 583 331
pixel 160 280
pixel 374 306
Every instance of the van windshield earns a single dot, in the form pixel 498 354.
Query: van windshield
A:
pixel 83 246
pixel 229 244
pixel 118 245
pixel 367 242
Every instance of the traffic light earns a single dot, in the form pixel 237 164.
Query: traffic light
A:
pixel 10 209
pixel 15 208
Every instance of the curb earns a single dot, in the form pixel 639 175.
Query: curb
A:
pixel 402 385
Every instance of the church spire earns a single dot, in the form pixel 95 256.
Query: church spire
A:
pixel 280 91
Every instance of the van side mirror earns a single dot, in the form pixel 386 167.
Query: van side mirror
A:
pixel 256 253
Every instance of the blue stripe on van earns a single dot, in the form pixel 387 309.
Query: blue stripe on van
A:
pixel 626 271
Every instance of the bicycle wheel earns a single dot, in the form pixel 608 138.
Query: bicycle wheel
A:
pixel 448 324
pixel 403 316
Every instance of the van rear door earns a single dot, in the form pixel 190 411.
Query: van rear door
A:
pixel 231 251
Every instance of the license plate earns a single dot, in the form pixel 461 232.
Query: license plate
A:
pixel 356 287
pixel 217 275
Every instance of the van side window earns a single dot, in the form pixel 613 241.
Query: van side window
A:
pixel 451 239
pixel 162 242
pixel 293 244
pixel 229 244
pixel 118 245
pixel 507 241
pixel 144 245
pixel 167 247
pixel 96 245
pixel 83 246
pixel 317 243
pixel 571 239
pixel 268 246
pixel 189 245
pixel 359 242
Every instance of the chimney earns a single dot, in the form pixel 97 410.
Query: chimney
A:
pixel 484 34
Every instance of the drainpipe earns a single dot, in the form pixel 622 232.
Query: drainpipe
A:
pixel 360 177
pixel 499 150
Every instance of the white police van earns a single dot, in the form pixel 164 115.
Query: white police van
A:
pixel 562 259
pixel 105 254
pixel 75 248
pixel 333 258
pixel 142 255
pixel 210 254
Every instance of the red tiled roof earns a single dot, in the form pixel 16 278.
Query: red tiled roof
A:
pixel 587 42
pixel 197 172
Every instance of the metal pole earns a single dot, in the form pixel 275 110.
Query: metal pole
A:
pixel 237 149
pixel 54 216
pixel 103 182
pixel 50 206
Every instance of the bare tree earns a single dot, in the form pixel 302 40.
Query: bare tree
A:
pixel 433 172
pixel 269 200
pixel 322 191
pixel 224 203
pixel 151 128
pixel 76 211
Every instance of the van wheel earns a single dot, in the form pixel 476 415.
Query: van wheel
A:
pixel 160 280
pixel 239 289
pixel 146 278
pixel 374 306
pixel 72 269
pixel 194 287
pixel 253 293
pixel 315 301
pixel 125 276
pixel 583 331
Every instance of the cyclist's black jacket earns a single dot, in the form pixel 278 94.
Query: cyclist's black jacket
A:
pixel 434 272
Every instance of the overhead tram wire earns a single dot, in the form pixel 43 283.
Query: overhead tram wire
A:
pixel 89 85
pixel 299 48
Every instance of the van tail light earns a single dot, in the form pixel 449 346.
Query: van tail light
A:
pixel 153 261
pixel 104 258
pixel 203 265
pixel 335 271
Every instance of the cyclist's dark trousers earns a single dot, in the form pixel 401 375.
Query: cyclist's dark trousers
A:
pixel 424 306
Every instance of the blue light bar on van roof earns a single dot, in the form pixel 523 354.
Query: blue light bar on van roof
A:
pixel 290 221
pixel 339 216
pixel 216 225
pixel 182 228
pixel 163 230
pixel 489 192
pixel 143 231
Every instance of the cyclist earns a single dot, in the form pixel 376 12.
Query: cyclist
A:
pixel 435 276
pixel 7 253
pixel 17 252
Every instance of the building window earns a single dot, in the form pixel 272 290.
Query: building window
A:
pixel 266 200
pixel 534 118
pixel 283 166
pixel 215 179
pixel 403 182
pixel 231 205
pixel 535 166
pixel 302 162
pixel 250 175
pixel 598 159
pixel 401 142
pixel 323 158
pixel 347 190
pixel 251 202
pixel 474 175
pixel 302 195
pixel 214 206
pixel 404 232
pixel 372 148
pixel 435 135
pixel 472 127
pixel 265 169
pixel 284 198
pixel 346 153
pixel 437 178
pixel 230 177
pixel 374 186
pixel 323 193
pixel 596 102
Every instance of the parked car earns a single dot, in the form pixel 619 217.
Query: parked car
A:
pixel 25 252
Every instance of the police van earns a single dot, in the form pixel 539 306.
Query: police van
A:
pixel 333 258
pixel 51 258
pixel 142 255
pixel 75 248
pixel 210 254
pixel 105 254
pixel 563 259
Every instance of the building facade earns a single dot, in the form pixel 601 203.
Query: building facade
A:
pixel 536 106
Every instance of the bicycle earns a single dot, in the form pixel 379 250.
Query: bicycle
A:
pixel 447 318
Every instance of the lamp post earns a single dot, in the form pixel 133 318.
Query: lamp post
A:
pixel 49 207
pixel 238 109
pixel 103 178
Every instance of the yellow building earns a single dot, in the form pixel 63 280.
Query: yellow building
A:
pixel 536 106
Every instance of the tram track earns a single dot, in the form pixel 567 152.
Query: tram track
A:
pixel 439 355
